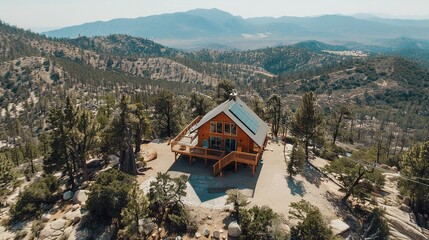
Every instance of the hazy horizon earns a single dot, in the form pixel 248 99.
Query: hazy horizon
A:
pixel 44 15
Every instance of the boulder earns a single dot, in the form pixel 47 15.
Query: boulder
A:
pixel 150 155
pixel 394 168
pixel 178 238
pixel 68 231
pixel 72 215
pixel 385 166
pixel 216 234
pixel 405 208
pixel 80 196
pixel 67 195
pixel 234 230
pixel 197 235
pixel 53 229
pixel 339 227
pixel 206 232
pixel 406 201
pixel 46 217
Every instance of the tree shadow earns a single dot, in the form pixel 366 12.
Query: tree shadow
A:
pixel 311 175
pixel 209 187
pixel 340 207
pixel 296 187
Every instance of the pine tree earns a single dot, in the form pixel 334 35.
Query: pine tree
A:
pixel 415 165
pixel 297 160
pixel 306 121
pixel 274 113
pixel 136 210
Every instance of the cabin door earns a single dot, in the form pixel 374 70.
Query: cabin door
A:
pixel 230 144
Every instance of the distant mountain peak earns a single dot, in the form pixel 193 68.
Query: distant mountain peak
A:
pixel 199 27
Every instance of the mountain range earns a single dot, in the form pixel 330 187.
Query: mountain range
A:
pixel 208 27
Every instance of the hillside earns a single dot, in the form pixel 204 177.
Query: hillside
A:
pixel 73 111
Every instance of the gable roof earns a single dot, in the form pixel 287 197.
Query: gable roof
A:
pixel 243 116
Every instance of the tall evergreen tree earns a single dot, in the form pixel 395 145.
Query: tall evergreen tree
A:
pixel 296 160
pixel 167 115
pixel 306 121
pixel 274 113
pixel 415 166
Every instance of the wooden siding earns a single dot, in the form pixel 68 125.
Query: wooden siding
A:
pixel 243 140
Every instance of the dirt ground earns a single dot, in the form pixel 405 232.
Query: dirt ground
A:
pixel 270 186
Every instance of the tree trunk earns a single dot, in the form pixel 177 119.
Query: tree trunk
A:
pixel 306 151
pixel 355 183
pixel 337 128
pixel 84 169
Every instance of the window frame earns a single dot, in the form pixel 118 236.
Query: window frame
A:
pixel 231 126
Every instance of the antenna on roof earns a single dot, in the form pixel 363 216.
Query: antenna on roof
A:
pixel 233 95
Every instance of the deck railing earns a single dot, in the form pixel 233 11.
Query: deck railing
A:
pixel 184 131
pixel 239 157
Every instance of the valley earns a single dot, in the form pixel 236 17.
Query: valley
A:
pixel 95 115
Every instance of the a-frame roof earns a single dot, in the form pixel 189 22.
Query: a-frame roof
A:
pixel 241 115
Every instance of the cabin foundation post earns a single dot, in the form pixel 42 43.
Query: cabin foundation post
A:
pixel 190 159
pixel 253 170
pixel 175 156
pixel 235 170
pixel 205 161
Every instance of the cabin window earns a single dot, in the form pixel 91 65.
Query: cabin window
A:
pixel 213 127
pixel 231 129
pixel 216 127
pixel 219 127
pixel 216 142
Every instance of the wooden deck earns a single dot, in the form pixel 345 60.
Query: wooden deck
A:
pixel 185 147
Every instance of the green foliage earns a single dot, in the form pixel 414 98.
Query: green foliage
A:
pixel 274 113
pixel 357 178
pixel 7 174
pixel 310 222
pixel 136 210
pixel 375 226
pixel 165 197
pixel 415 165
pixel 296 160
pixel 307 121
pixel 224 89
pixel 109 195
pixel 258 106
pixel 256 223
pixel 199 104
pixel 238 199
pixel 29 203
pixel 168 114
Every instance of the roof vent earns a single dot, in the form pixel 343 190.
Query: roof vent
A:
pixel 233 95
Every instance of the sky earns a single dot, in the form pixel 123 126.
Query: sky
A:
pixel 41 15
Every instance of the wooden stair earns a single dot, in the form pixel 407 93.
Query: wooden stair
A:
pixel 236 157
pixel 223 162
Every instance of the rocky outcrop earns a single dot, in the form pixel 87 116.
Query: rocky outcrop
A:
pixel 402 226
pixel 54 229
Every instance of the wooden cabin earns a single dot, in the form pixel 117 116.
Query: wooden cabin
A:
pixel 231 133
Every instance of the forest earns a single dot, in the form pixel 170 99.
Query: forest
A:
pixel 70 106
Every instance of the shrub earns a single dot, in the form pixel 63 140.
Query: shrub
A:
pixel 256 222
pixel 31 200
pixel 109 195
pixel 311 225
